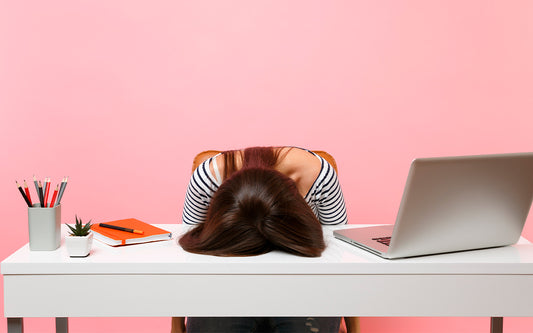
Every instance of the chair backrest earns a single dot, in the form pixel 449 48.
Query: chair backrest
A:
pixel 201 157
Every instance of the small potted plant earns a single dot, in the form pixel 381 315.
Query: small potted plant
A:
pixel 80 239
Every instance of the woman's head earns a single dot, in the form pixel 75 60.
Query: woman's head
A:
pixel 254 211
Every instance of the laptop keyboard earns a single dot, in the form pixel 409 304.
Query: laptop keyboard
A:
pixel 382 240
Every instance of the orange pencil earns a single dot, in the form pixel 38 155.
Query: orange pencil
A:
pixel 54 196
pixel 27 192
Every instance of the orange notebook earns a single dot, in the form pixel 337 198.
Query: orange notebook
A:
pixel 117 237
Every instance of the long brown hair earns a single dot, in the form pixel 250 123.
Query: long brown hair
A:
pixel 254 157
pixel 255 210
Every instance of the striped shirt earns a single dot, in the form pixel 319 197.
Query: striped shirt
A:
pixel 324 197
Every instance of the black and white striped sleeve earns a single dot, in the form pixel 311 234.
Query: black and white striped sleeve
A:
pixel 200 190
pixel 328 198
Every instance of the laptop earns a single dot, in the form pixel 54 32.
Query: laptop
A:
pixel 454 204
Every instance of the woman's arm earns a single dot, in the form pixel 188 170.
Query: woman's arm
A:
pixel 329 198
pixel 199 192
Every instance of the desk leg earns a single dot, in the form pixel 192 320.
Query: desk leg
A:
pixel 496 325
pixel 15 325
pixel 62 325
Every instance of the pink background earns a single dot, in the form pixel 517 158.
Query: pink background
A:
pixel 120 95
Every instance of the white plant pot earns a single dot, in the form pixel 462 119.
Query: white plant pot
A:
pixel 79 246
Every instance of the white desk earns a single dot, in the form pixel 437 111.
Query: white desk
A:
pixel 160 279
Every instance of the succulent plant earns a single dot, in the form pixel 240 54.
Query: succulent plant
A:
pixel 79 229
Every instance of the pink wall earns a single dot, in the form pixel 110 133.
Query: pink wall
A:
pixel 119 95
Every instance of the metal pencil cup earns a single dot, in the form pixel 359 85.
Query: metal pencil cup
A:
pixel 44 226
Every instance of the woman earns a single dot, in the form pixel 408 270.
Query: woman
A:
pixel 251 201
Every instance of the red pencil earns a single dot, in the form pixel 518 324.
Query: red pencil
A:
pixel 47 189
pixel 27 192
pixel 54 196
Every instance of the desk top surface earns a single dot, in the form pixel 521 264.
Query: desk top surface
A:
pixel 167 257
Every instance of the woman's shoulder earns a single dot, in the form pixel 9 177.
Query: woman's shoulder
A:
pixel 301 165
pixel 299 157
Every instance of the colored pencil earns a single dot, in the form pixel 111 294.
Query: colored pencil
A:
pixel 54 196
pixel 27 192
pixel 46 190
pixel 62 190
pixel 23 194
pixel 36 188
pixel 41 193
